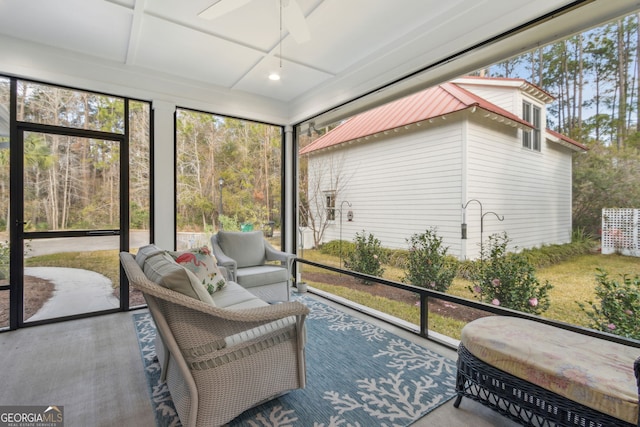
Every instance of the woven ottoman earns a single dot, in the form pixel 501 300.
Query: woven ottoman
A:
pixel 541 375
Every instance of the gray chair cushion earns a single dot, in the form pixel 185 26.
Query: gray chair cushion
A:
pixel 261 275
pixel 147 251
pixel 247 249
pixel 234 296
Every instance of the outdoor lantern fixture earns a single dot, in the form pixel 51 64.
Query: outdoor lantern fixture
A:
pixel 482 215
pixel 463 226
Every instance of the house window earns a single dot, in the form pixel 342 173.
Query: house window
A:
pixel 531 138
pixel 330 204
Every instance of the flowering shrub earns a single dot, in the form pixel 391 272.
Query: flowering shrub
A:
pixel 367 257
pixel 428 265
pixel 508 279
pixel 619 306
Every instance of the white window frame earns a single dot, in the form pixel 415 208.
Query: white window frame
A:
pixel 330 204
pixel 531 139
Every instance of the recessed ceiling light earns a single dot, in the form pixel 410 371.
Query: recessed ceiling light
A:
pixel 274 76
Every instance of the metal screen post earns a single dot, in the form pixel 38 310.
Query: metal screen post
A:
pixel 424 315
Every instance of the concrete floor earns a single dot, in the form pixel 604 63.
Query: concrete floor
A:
pixel 92 367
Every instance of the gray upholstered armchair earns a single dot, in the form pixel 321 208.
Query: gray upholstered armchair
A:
pixel 247 256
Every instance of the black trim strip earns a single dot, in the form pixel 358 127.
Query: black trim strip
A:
pixel 227 116
pixel 71 317
pixel 67 131
pixel 125 202
pixel 152 201
pixel 76 88
pixel 69 233
pixel 16 259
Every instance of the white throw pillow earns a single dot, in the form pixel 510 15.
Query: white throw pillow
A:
pixel 201 263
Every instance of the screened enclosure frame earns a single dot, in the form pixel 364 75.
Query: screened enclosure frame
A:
pixel 17 235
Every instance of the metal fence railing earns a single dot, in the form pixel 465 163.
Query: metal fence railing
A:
pixel 426 294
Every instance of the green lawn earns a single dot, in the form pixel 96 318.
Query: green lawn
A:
pixel 106 263
pixel 573 280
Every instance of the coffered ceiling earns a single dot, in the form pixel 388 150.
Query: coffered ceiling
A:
pixel 354 46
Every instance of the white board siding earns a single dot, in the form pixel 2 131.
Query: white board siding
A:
pixel 532 190
pixel 504 97
pixel 507 97
pixel 402 184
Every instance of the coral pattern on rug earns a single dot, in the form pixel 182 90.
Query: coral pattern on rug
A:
pixel 358 375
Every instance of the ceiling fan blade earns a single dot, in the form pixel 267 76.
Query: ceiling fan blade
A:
pixel 294 21
pixel 221 7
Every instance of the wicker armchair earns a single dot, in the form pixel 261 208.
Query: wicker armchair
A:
pixel 220 362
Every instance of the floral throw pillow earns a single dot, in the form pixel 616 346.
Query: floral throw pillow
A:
pixel 201 263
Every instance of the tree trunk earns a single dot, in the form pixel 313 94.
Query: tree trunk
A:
pixel 622 84
pixel 638 70
pixel 580 82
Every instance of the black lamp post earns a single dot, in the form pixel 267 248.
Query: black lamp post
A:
pixel 220 184
pixel 482 215
pixel 348 203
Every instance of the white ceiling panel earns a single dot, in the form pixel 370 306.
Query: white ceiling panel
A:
pixel 93 27
pixel 295 79
pixel 178 50
pixel 364 28
pixel 255 24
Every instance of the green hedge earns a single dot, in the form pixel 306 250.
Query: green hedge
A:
pixel 333 248
pixel 548 255
pixel 394 257
pixel 544 256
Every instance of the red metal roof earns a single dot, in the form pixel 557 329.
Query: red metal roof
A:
pixel 567 139
pixel 431 103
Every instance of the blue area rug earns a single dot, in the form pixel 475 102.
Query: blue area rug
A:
pixel 357 375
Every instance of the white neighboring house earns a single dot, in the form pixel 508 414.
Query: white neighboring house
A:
pixel 414 163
